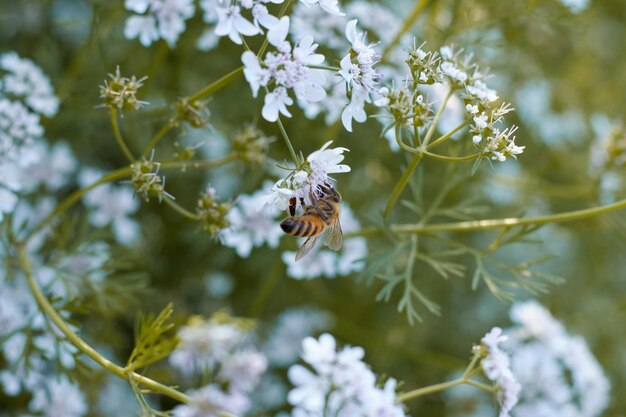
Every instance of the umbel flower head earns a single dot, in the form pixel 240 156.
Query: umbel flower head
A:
pixel 121 92
pixel 147 181
pixel 251 145
pixel 212 213
pixel 305 180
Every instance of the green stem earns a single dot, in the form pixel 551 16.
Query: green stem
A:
pixel 452 158
pixel 397 190
pixel 433 125
pixel 157 137
pixel 73 198
pixel 400 142
pixel 199 164
pixel 83 346
pixel 180 209
pixel 429 390
pixel 480 385
pixel 408 23
pixel 475 225
pixel 265 43
pixel 449 134
pixel 119 138
pixel 285 136
pixel 216 85
pixel 325 67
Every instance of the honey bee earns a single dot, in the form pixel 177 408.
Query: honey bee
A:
pixel 322 215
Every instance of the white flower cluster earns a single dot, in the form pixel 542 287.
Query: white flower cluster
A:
pixel 25 95
pixel 157 19
pixel 25 81
pixel 338 383
pixel 305 180
pixel 284 70
pixel 559 374
pixel 327 263
pixel 496 366
pixel 110 205
pixel 217 348
pixel 252 223
pixel 33 354
pixel 357 70
pixel 166 19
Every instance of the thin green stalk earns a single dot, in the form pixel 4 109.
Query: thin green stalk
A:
pixel 404 180
pixel 285 136
pixel 265 43
pixel 480 385
pixel 216 85
pixel 83 346
pixel 431 389
pixel 73 198
pixel 452 158
pixel 403 146
pixel 325 67
pixel 119 138
pixel 408 23
pixel 475 225
pixel 433 125
pixel 449 134
pixel 199 164
pixel 180 209
pixel 157 137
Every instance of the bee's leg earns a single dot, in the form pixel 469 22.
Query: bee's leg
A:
pixel 292 206
pixel 319 210
pixel 302 203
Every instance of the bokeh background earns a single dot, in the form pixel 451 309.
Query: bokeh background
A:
pixel 562 69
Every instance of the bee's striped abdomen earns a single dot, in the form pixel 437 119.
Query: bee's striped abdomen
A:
pixel 300 226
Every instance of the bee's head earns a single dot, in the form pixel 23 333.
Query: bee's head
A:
pixel 329 193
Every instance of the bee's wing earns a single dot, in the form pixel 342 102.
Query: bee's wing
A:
pixel 306 247
pixel 334 236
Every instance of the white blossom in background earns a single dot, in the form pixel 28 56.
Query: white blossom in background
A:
pixel 157 19
pixel 284 70
pixel 305 180
pixel 219 349
pixel 330 264
pixel 338 383
pixel 284 343
pixel 219 285
pixel 112 205
pixel 357 70
pixel 497 367
pixel 252 223
pixel 21 79
pixel 558 372
pixel 53 167
pixel 58 397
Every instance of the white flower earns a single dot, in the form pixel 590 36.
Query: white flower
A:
pixel 19 128
pixel 211 401
pixel 341 384
pixel 276 102
pixel 202 344
pixel 359 74
pixel 287 68
pixel 330 6
pixel 26 81
pixel 305 180
pixel 557 370
pixel 111 205
pixel 59 398
pixel 230 23
pixel 157 19
pixel 52 169
pixel 252 224
pixel 496 365
pixel 243 370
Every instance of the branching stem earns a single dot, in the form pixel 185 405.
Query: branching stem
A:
pixel 118 137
